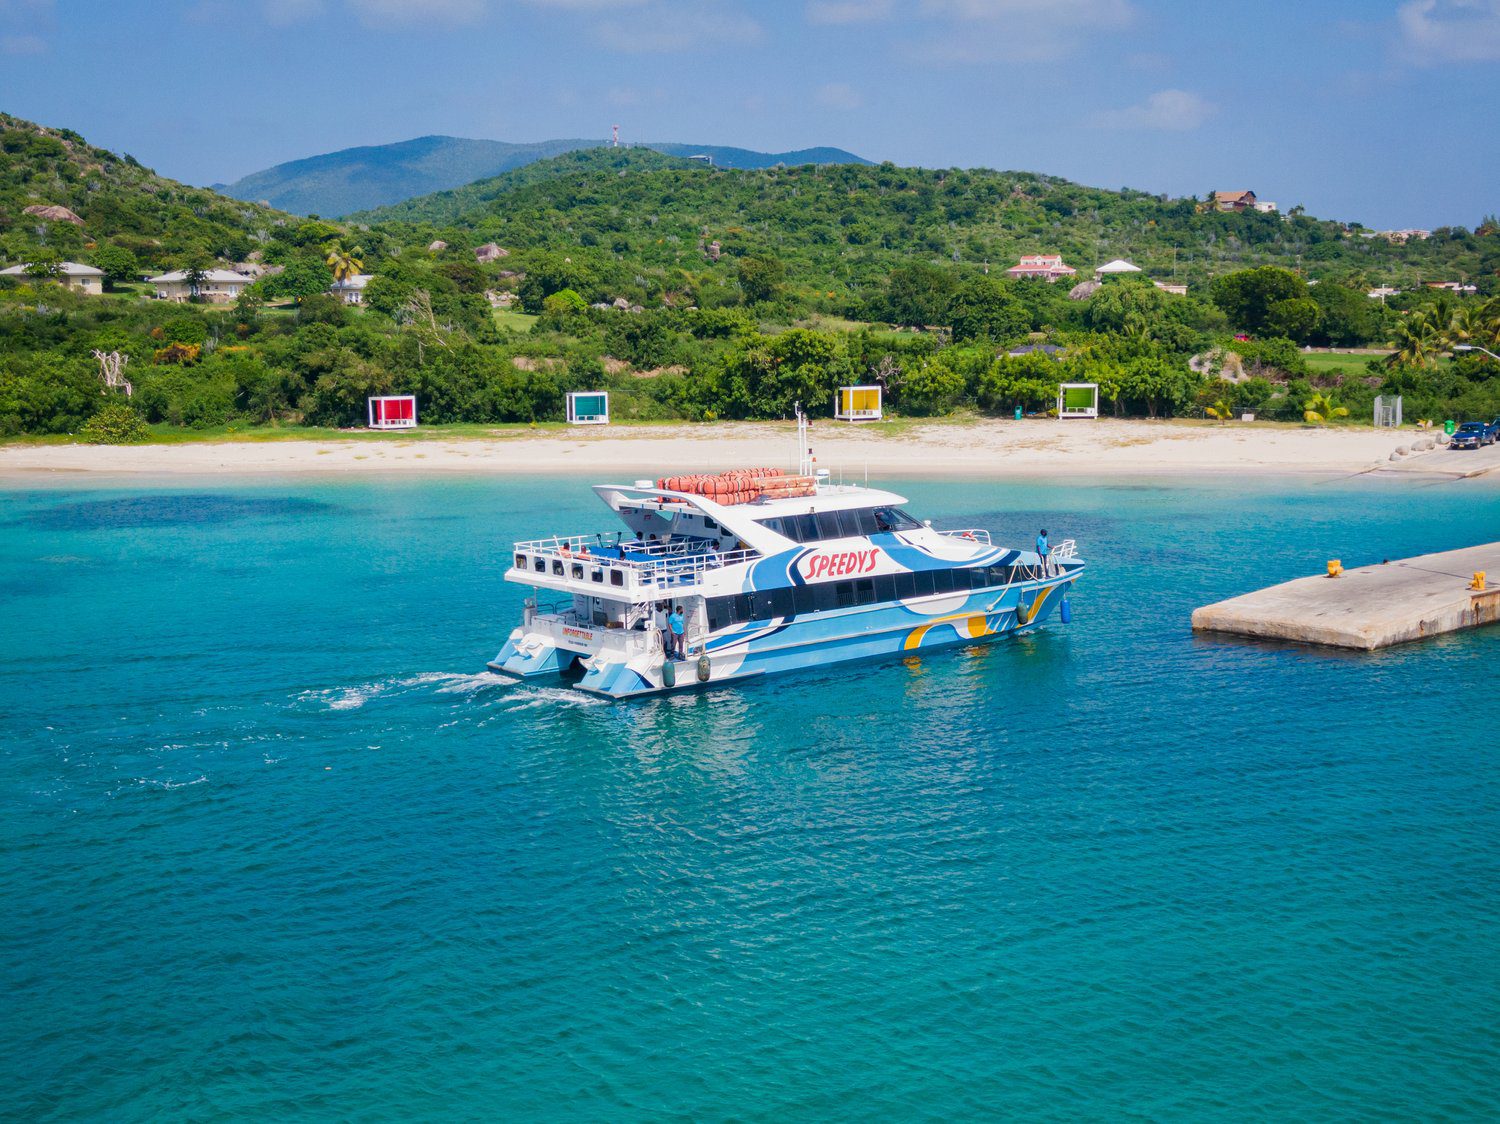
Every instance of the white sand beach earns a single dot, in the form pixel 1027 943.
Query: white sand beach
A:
pixel 1039 447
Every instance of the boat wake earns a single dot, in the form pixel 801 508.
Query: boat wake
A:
pixel 435 682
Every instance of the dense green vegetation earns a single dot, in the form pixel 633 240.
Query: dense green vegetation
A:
pixel 701 294
pixel 131 219
pixel 625 215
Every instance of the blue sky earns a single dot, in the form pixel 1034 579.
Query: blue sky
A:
pixel 1381 111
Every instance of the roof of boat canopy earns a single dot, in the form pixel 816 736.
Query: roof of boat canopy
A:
pixel 745 519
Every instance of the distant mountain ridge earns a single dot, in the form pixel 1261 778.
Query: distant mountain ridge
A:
pixel 359 179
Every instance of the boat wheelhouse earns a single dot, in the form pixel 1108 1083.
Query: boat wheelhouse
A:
pixel 772 573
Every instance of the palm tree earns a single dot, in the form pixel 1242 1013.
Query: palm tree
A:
pixel 1487 332
pixel 344 263
pixel 1220 410
pixel 1468 324
pixel 1418 342
pixel 1321 409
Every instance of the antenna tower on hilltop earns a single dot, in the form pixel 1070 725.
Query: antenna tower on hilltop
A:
pixel 614 136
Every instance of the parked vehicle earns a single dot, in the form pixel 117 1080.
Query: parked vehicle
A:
pixel 1471 435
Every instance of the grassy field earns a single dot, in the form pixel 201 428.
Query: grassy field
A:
pixel 512 320
pixel 1323 362
pixel 823 322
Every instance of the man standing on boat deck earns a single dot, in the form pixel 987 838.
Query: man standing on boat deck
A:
pixel 1042 549
pixel 679 629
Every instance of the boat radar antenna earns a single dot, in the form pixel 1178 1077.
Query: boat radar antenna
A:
pixel 805 458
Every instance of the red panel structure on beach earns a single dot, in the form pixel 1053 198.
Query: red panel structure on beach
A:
pixel 393 411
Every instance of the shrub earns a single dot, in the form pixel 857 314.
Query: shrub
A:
pixel 115 424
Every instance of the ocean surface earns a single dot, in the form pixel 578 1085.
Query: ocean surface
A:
pixel 273 846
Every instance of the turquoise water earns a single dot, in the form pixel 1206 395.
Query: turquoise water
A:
pixel 274 848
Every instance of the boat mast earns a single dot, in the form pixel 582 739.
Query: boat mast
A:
pixel 805 456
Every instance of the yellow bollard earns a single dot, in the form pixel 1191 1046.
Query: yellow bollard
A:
pixel 1477 585
pixel 1335 567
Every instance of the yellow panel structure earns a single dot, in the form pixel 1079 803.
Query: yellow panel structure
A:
pixel 858 403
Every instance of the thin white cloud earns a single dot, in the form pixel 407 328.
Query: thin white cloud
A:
pixel 838 95
pixel 24 9
pixel 674 28
pixel 586 5
pixel 1175 111
pixel 1439 31
pixel 1078 13
pixel 415 13
pixel 284 13
pixel 835 12
pixel 17 45
pixel 990 31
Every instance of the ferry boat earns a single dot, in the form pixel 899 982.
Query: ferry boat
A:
pixel 773 572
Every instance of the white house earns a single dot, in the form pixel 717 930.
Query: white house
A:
pixel 217 286
pixel 79 278
pixel 1264 206
pixel 351 290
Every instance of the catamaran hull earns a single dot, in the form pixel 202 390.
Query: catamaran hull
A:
pixel 632 666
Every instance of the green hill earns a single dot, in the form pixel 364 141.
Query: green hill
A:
pixel 114 200
pixel 842 229
pixel 352 179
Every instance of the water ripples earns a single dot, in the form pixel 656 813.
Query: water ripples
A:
pixel 262 863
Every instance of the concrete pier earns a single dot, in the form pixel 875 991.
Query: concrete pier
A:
pixel 1369 607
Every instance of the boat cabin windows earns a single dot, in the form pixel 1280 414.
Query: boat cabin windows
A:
pixel 857 522
pixel 805 600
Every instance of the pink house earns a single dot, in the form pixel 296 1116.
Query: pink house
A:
pixel 1043 267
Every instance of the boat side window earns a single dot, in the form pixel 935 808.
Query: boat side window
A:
pixel 850 524
pixel 885 587
pixel 805 599
pixel 802 528
pixel 864 591
pixel 922 583
pixel 828 524
pixel 896 519
pixel 541 565
pixel 598 576
pixel 617 577
pixel 578 570
pixel 557 567
pixel 844 593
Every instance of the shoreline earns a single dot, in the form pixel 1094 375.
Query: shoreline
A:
pixel 990 449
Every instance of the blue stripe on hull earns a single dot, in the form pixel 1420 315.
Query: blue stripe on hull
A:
pixel 871 632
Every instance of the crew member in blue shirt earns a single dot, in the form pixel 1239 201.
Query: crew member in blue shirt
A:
pixel 678 628
pixel 1042 549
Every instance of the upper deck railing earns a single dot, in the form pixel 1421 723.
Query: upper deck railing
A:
pixel 625 563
